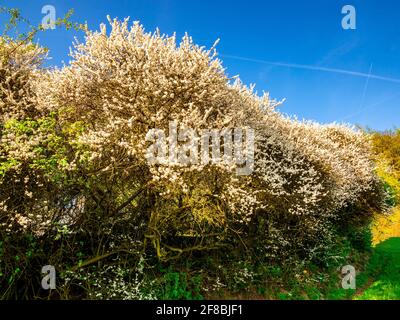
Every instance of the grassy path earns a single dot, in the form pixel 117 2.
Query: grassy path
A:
pixel 384 269
pixel 384 265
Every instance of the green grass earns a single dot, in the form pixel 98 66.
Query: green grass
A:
pixel 384 269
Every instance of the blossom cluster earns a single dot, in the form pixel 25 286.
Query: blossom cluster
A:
pixel 124 82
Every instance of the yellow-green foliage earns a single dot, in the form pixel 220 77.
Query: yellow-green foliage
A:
pixel 386 226
pixel 386 148
pixel 387 154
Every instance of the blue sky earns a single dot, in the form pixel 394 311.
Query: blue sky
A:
pixel 292 49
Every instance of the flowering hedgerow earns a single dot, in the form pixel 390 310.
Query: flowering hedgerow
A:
pixel 73 153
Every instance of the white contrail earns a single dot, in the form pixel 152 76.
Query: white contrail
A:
pixel 315 68
pixel 365 88
pixel 371 106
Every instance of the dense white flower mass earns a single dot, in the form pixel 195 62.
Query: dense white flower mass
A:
pixel 122 83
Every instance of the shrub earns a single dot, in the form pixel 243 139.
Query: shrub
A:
pixel 73 161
